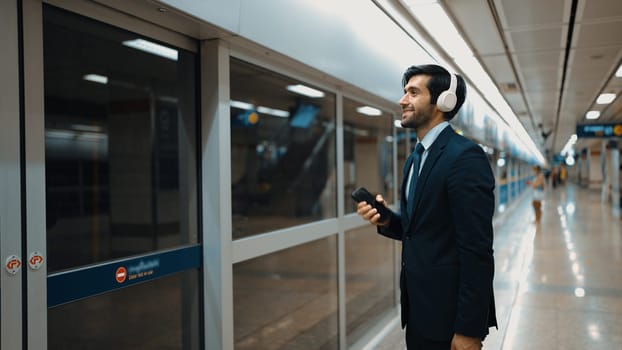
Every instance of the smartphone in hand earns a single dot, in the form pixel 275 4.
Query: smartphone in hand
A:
pixel 362 194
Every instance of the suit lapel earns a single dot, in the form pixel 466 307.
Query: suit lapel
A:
pixel 436 150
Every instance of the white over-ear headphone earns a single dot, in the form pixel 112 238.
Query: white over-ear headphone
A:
pixel 447 100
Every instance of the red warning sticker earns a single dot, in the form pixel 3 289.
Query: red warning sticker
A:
pixel 121 274
pixel 13 263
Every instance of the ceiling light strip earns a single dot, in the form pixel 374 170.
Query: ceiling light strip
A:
pixel 433 17
pixel 152 48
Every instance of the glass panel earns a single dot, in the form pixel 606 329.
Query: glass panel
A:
pixel 283 168
pixel 120 125
pixel 288 300
pixel 161 314
pixel 370 280
pixel 368 152
pixel 502 170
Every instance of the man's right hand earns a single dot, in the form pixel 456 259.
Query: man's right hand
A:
pixel 369 213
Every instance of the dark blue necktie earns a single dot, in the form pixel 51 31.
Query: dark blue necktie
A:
pixel 415 174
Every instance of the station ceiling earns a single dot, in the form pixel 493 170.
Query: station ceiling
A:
pixel 550 59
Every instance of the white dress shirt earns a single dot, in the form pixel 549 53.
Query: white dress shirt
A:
pixel 427 142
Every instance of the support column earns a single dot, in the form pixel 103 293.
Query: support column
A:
pixel 594 172
pixel 604 173
pixel 216 200
pixel 583 166
pixel 614 153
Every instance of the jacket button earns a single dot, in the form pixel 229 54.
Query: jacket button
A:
pixel 403 263
pixel 408 237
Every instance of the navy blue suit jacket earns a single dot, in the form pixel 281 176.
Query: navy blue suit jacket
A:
pixel 447 255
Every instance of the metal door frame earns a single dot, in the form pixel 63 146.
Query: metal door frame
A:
pixel 10 178
pixel 34 177
pixel 30 315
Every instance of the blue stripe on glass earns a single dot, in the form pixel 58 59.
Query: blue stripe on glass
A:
pixel 68 286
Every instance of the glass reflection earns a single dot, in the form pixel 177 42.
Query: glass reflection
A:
pixel 120 127
pixel 161 314
pixel 368 152
pixel 370 280
pixel 283 167
pixel 288 300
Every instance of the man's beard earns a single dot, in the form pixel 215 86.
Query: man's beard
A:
pixel 417 119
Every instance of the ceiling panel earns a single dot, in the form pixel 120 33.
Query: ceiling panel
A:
pixel 484 40
pixel 574 102
pixel 546 111
pixel 540 60
pixel 616 82
pixel 615 110
pixel 532 12
pixel 595 59
pixel 581 94
pixel 601 8
pixel 599 34
pixel 542 112
pixel 500 68
pixel 537 101
pixel 612 113
pixel 589 72
pixel 535 32
pixel 515 100
pixel 578 76
pixel 544 39
pixel 540 80
pixel 563 134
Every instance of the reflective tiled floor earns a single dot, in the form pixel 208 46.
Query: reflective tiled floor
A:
pixel 558 284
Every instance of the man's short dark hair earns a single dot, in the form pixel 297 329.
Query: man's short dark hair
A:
pixel 439 82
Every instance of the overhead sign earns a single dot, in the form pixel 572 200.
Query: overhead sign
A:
pixel 599 130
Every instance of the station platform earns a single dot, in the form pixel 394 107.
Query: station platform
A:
pixel 558 284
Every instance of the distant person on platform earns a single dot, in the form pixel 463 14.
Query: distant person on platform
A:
pixel 538 184
pixel 563 173
pixel 445 223
pixel 547 175
pixel 554 177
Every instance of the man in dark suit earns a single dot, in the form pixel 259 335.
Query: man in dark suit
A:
pixel 445 221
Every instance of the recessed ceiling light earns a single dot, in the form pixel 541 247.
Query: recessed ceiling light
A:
pixel 152 48
pixel 371 111
pixel 305 90
pixel 606 98
pixel 88 128
pixel 592 115
pixel 96 78
pixel 619 72
pixel 240 104
pixel 273 111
